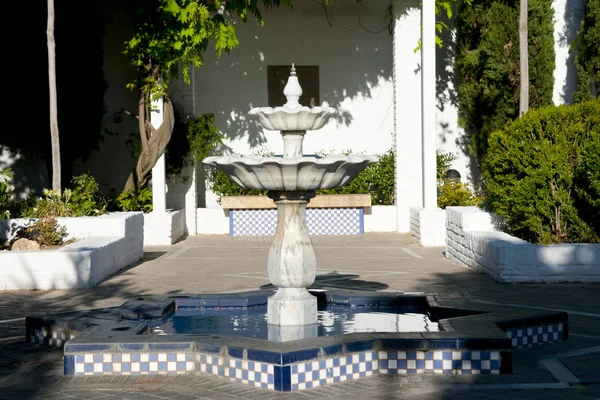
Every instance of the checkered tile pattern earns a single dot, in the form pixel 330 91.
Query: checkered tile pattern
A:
pixel 534 336
pixel 439 362
pixel 133 363
pixel 334 221
pixel 253 222
pixel 52 338
pixel 320 221
pixel 241 371
pixel 307 375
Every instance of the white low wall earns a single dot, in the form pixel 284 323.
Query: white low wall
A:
pixel 107 244
pixel 163 228
pixel 472 240
pixel 380 219
pixel 428 226
pixel 214 221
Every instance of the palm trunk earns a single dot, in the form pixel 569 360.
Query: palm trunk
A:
pixel 523 59
pixel 55 141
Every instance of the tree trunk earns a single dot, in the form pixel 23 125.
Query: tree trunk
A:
pixel 153 148
pixel 55 141
pixel 523 59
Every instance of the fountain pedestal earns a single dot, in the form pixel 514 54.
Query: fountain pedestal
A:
pixel 292 263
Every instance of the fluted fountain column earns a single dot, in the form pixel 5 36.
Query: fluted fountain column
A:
pixel 292 262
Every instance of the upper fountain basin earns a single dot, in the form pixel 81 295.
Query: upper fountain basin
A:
pixel 281 174
pixel 293 119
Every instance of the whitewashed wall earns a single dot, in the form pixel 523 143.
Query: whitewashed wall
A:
pixel 473 241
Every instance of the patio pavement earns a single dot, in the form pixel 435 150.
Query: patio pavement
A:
pixel 379 262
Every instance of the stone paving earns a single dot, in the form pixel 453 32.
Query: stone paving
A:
pixel 380 262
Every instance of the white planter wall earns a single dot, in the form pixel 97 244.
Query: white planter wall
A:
pixel 473 241
pixel 214 221
pixel 163 228
pixel 380 219
pixel 107 244
pixel 428 226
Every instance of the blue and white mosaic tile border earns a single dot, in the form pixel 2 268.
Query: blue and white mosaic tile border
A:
pixel 241 371
pixel 133 363
pixel 307 375
pixel 534 336
pixel 319 221
pixel 47 337
pixel 463 362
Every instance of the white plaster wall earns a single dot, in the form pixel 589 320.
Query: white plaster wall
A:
pixel 407 110
pixel 428 226
pixel 182 195
pixel 471 240
pixel 112 162
pixel 212 221
pixel 380 219
pixel 567 19
pixel 163 228
pixel 110 243
pixel 30 173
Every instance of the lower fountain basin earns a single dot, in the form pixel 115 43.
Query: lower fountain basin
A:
pixel 295 174
pixel 473 338
pixel 331 320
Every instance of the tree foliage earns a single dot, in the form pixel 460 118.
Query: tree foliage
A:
pixel 588 54
pixel 543 177
pixel 487 64
pixel 174 34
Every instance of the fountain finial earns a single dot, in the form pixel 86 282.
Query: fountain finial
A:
pixel 292 90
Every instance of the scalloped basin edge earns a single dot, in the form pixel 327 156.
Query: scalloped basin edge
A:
pixel 298 174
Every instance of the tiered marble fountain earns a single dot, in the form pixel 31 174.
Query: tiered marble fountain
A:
pixel 291 182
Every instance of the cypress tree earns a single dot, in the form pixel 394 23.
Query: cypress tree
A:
pixel 487 65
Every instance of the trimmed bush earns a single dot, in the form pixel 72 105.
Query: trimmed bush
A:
pixel 542 174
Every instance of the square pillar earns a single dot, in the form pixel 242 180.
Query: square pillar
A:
pixel 428 104
pixel 407 110
pixel 159 186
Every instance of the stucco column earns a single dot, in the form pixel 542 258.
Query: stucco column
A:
pixel 428 106
pixel 159 193
pixel 407 110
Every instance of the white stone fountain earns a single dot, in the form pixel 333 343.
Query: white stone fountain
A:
pixel 291 182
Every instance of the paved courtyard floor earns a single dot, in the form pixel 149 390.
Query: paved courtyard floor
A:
pixel 377 262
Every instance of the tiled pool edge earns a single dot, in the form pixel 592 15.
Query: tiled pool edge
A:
pixel 107 347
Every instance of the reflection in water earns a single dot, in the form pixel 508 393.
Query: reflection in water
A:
pixel 331 321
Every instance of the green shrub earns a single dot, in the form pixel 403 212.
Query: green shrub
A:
pixel 443 162
pixel 542 174
pixel 453 192
pixel 377 179
pixel 588 54
pixel 45 231
pixel 193 138
pixel 487 65
pixel 6 189
pixel 130 201
pixel 84 199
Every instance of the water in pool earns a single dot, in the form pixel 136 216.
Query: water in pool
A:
pixel 332 320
